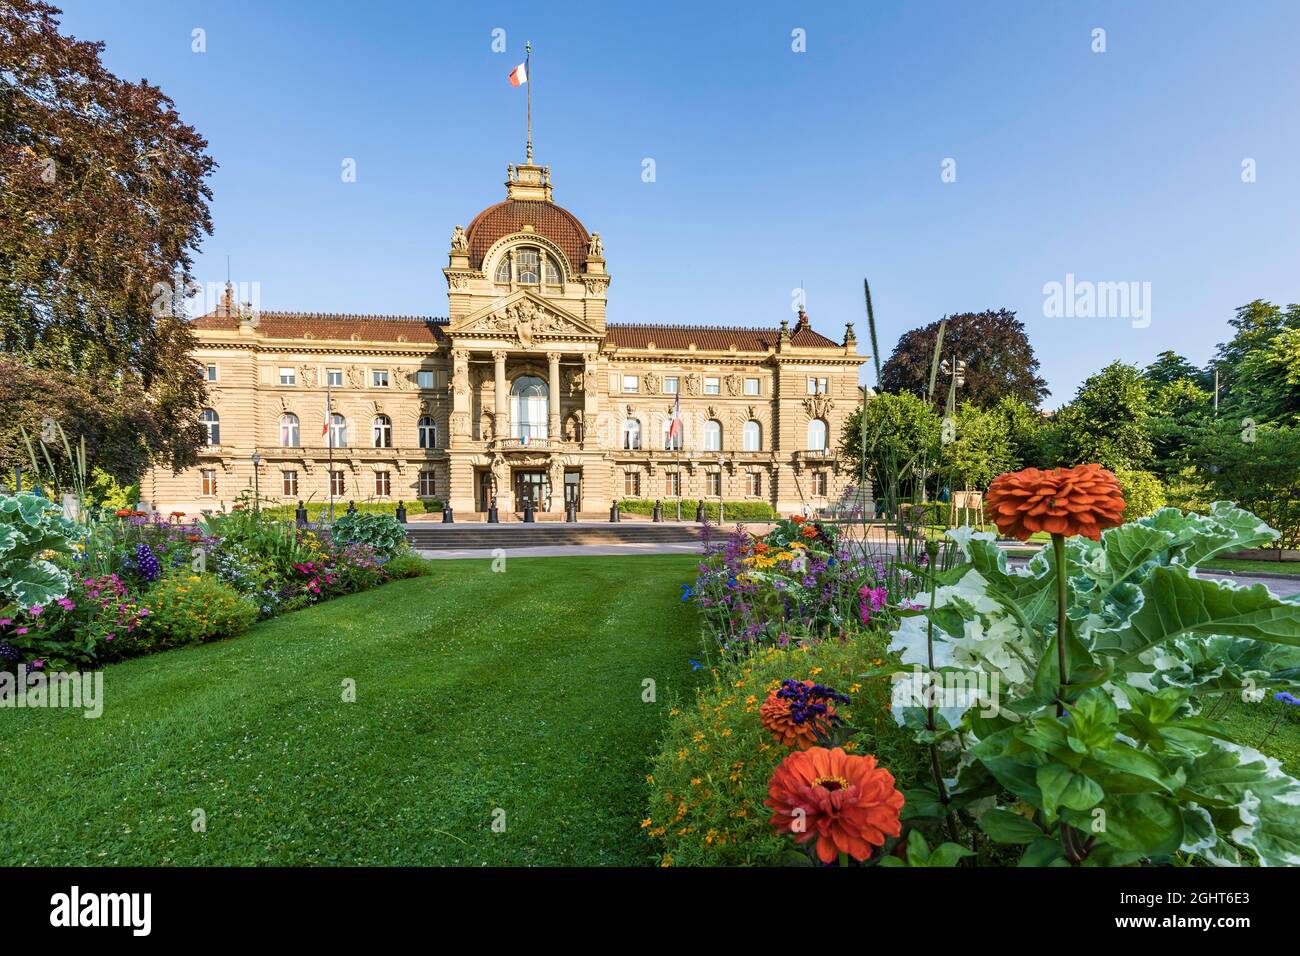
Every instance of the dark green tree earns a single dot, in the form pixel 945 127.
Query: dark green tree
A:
pixel 1108 420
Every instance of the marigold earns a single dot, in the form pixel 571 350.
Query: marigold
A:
pixel 845 802
pixel 1065 501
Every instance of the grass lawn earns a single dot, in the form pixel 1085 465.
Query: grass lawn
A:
pixel 475 691
pixel 1259 567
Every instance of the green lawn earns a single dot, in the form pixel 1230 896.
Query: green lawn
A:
pixel 475 691
pixel 1259 567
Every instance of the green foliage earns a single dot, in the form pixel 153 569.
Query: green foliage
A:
pixel 902 441
pixel 271 544
pixel 710 777
pixel 1108 420
pixel 1170 367
pixel 1024 427
pixel 1114 759
pixel 1256 465
pixel 1143 492
pixel 381 532
pixel 1255 325
pixel 189 608
pixel 409 565
pixel 1266 383
pixel 1181 410
pixel 981 449
pixel 319 510
pixel 733 511
pixel 30 526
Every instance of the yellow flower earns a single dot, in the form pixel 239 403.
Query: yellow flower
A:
pixel 646 822
pixel 695 781
pixel 854 688
pixel 667 860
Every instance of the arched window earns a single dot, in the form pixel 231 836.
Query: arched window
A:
pixel 753 435
pixel 211 422
pixel 383 432
pixel 817 435
pixel 551 272
pixel 528 265
pixel 632 434
pixel 713 435
pixel 503 269
pixel 338 431
pixel 672 442
pixel 289 430
pixel 428 432
pixel 529 407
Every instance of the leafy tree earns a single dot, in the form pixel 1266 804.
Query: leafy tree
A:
pixel 1256 323
pixel 103 199
pixel 981 448
pixel 1266 385
pixel 902 444
pixel 1179 410
pixel 1108 420
pixel 1026 432
pixel 999 359
pixel 1171 367
pixel 1257 467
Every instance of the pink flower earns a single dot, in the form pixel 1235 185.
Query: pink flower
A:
pixel 35 610
pixel 20 630
pixel 6 621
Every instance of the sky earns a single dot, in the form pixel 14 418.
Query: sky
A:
pixel 960 156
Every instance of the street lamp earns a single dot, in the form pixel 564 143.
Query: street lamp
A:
pixel 257 498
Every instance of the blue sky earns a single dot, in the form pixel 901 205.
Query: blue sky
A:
pixel 773 168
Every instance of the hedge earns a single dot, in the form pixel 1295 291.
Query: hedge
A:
pixel 315 509
pixel 732 511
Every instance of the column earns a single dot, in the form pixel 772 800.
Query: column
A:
pixel 553 399
pixel 502 416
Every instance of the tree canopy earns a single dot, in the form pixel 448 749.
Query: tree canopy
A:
pixel 1108 420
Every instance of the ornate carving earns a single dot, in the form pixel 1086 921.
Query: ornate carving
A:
pixel 307 375
pixel 575 382
pixel 651 382
pixel 401 379
pixel 818 406
pixel 595 247
pixel 596 286
pixel 733 385
pixel 356 378
pixel 459 241
pixel 458 424
pixel 459 280
pixel 593 380
pixel 692 384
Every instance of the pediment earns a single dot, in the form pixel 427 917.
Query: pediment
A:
pixel 523 315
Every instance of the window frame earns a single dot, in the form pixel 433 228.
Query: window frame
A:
pixel 711 426
pixel 334 377
pixel 758 386
pixel 429 476
pixel 712 385
pixel 211 427
pixel 421 375
pixel 379 378
pixel 207 482
pixel 295 429
pixel 426 433
pixel 288 372
pixel 381 432
pixel 289 482
pixel 676 386
pixel 383 483
pixel 757 430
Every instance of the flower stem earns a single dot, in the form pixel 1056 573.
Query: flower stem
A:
pixel 1062 599
pixel 932 551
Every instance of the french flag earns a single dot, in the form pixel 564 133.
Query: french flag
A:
pixel 519 75
pixel 675 426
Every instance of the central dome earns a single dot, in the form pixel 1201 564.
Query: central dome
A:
pixel 547 220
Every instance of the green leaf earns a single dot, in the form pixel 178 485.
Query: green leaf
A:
pixel 948 854
pixel 1044 851
pixel 1004 826
pixel 1062 787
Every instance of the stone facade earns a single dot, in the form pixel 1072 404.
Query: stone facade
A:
pixel 523 389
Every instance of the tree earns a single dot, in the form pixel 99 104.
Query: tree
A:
pixel 1170 367
pixel 1259 468
pixel 902 444
pixel 1108 419
pixel 981 447
pixel 103 199
pixel 1256 323
pixel 1266 384
pixel 999 359
pixel 1179 410
pixel 1025 429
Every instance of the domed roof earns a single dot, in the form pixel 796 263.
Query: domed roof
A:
pixel 547 219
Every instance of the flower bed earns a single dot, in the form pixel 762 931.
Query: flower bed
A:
pixel 78 595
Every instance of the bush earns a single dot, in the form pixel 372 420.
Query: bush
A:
pixel 319 510
pixel 1143 492
pixel 711 775
pixel 189 609
pixel 409 565
pixel 380 532
pixel 733 510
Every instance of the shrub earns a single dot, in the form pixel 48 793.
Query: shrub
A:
pixel 191 608
pixel 1143 492
pixel 732 510
pixel 409 565
pixel 381 532
pixel 711 775
pixel 319 510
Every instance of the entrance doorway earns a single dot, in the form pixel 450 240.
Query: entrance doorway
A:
pixel 531 485
pixel 485 485
pixel 573 488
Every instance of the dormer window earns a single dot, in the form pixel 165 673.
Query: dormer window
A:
pixel 503 270
pixel 527 265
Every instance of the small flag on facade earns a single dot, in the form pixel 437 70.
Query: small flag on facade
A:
pixel 675 427
pixel 519 75
pixel 325 425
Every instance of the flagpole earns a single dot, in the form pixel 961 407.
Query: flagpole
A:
pixel 329 440
pixel 528 82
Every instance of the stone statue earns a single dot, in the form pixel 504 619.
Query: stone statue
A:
pixel 459 241
pixel 595 248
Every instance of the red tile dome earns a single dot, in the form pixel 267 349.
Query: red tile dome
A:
pixel 547 219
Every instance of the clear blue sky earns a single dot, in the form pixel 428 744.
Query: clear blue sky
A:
pixel 773 167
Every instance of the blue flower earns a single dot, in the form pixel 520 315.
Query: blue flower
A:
pixel 696 666
pixel 687 592
pixel 1286 698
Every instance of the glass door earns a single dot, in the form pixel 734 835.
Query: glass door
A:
pixel 531 485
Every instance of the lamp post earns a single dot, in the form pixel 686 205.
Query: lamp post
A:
pixel 257 498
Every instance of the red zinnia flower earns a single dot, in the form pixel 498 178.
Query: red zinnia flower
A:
pixel 1065 501
pixel 845 802
pixel 123 512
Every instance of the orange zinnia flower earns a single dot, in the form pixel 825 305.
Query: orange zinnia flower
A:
pixel 775 716
pixel 808 531
pixel 845 802
pixel 1065 501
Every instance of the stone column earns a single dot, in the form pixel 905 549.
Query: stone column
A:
pixel 502 416
pixel 553 399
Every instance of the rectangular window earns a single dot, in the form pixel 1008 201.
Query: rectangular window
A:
pixel 823 386
pixel 754 484
pixel 334 377
pixel 338 486
pixel 670 385
pixel 819 484
pixel 712 386
pixel 713 484
pixel 289 482
pixel 424 378
pixel 631 484
pixel 379 378
pixel 630 383
pixel 382 486
pixel 288 377
pixel 209 476
pixel 426 484
pixel 212 373
pixel 751 386
pixel 673 484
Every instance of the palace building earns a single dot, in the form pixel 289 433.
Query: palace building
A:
pixel 524 389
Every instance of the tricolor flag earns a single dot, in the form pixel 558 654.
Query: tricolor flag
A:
pixel 325 425
pixel 675 426
pixel 519 75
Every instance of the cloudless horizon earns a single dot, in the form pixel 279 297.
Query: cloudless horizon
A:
pixel 773 168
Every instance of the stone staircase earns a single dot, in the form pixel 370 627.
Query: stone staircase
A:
pixel 443 537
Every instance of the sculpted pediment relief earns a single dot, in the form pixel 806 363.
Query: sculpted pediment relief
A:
pixel 524 316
